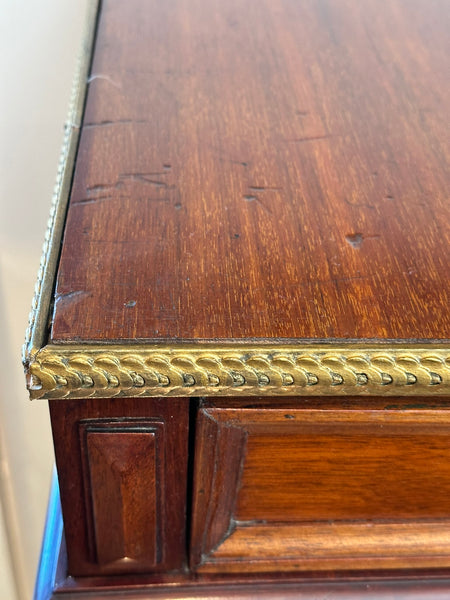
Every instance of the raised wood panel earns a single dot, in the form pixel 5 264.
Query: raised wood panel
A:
pixel 122 467
pixel 324 489
pixel 124 483
pixel 346 471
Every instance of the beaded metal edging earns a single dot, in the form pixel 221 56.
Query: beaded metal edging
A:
pixel 72 371
pixel 213 369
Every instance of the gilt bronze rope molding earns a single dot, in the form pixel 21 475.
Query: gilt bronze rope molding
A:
pixel 83 371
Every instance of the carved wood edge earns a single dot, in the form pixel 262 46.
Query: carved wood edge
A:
pixel 221 452
pixel 37 329
pixel 244 369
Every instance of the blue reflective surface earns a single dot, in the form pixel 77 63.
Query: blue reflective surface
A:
pixel 48 563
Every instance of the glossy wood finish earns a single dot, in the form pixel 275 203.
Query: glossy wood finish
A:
pixel 273 169
pixel 320 489
pixel 124 483
pixel 123 475
pixel 53 582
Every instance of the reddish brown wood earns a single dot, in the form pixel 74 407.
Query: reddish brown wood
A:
pixel 261 169
pixel 273 589
pixel 220 454
pixel 431 585
pixel 122 467
pixel 272 169
pixel 321 489
pixel 124 483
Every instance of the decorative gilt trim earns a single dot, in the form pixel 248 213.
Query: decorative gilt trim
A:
pixel 213 369
pixel 73 371
pixel 35 336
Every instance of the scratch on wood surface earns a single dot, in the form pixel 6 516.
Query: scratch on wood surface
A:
pixel 311 138
pixel 251 198
pixel 103 77
pixel 359 204
pixel 106 191
pixel 100 187
pixel 144 177
pixel 95 199
pixel 254 195
pixel 70 297
pixel 254 188
pixel 108 123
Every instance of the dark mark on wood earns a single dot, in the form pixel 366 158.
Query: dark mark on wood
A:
pixel 310 138
pixel 108 123
pixel 355 239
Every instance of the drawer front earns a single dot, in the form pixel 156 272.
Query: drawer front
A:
pixel 306 489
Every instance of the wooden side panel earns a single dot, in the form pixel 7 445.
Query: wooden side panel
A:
pixel 122 468
pixel 327 489
pixel 124 482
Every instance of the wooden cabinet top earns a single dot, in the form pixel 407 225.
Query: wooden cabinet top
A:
pixel 260 172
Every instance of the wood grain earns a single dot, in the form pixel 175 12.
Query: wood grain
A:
pixel 124 488
pixel 271 169
pixel 220 454
pixel 321 489
pixel 122 466
pixel 413 585
pixel 332 547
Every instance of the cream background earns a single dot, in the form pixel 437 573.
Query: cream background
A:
pixel 39 43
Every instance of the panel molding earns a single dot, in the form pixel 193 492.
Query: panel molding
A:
pixel 123 473
pixel 332 471
pixel 216 483
pixel 329 546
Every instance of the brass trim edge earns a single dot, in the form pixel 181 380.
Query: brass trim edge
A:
pixel 36 333
pixel 76 371
pixel 217 369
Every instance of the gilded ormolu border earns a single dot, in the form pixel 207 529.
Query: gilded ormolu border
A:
pixel 214 369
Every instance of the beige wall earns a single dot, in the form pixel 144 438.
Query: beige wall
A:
pixel 39 42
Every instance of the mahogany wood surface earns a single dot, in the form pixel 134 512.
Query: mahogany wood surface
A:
pixel 55 584
pixel 279 489
pixel 261 169
pixel 187 588
pixel 122 467
pixel 124 482
pixel 258 169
